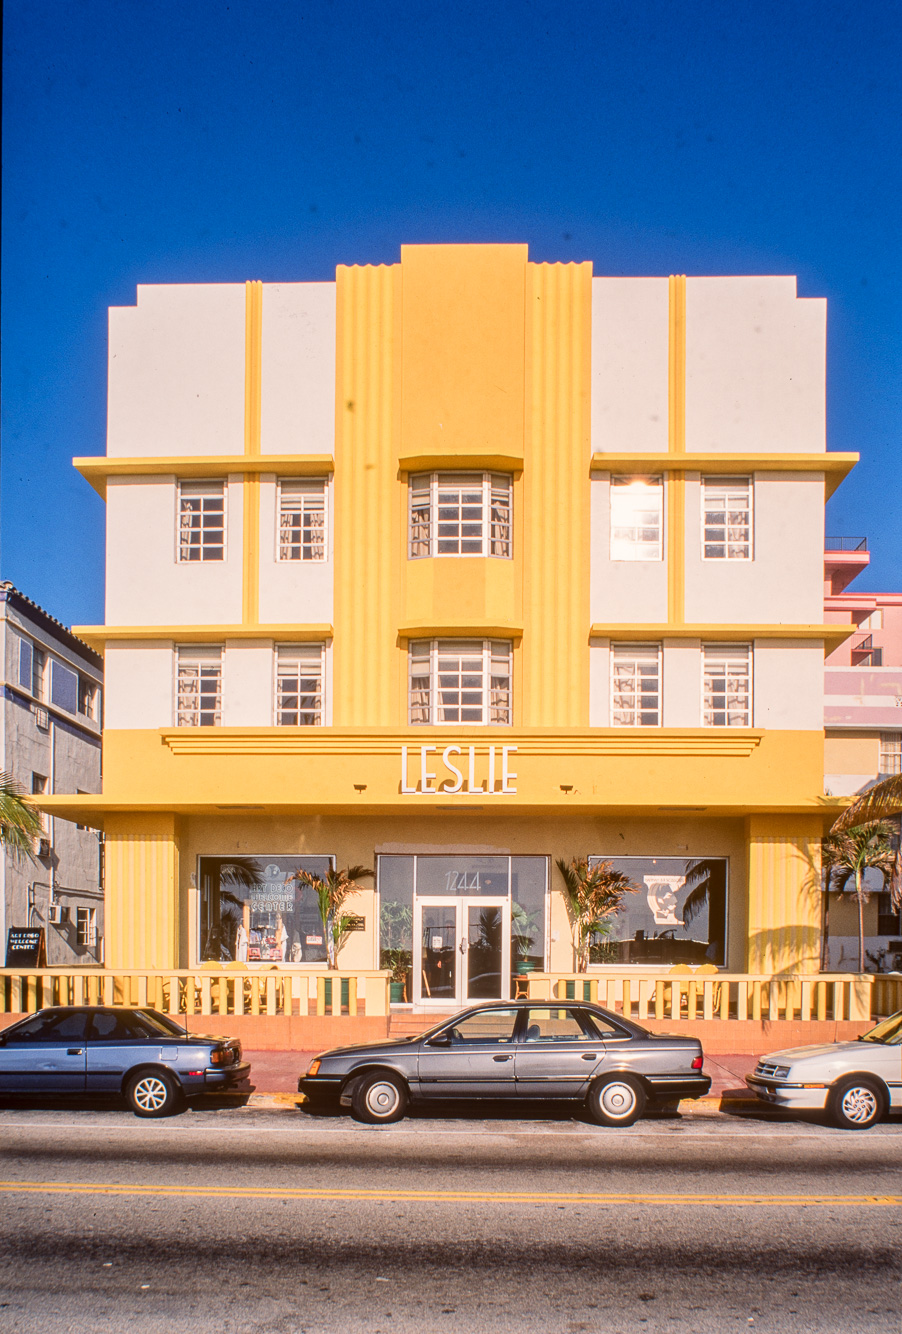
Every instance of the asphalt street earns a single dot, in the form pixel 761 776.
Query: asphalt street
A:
pixel 252 1220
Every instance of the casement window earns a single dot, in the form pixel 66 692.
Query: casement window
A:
pixel 890 753
pixel 637 518
pixel 460 514
pixel 202 521
pixel 636 685
pixel 86 927
pixel 299 685
pixel 727 685
pixel 199 687
pixel 88 695
pixel 727 518
pixel 460 681
pixel 39 675
pixel 63 687
pixel 302 519
pixel 39 788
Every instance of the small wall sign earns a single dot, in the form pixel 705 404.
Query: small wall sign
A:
pixel 26 947
pixel 356 924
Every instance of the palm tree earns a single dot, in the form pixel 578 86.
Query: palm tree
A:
pixel 592 894
pixel 20 824
pixel 332 890
pixel 879 801
pixel 851 852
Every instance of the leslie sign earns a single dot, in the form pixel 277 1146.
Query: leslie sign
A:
pixel 466 771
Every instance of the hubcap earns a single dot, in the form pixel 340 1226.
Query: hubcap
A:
pixel 859 1105
pixel 150 1094
pixel 618 1099
pixel 382 1098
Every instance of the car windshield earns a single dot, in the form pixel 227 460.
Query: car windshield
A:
pixel 888 1032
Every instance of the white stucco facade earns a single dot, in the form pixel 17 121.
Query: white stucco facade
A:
pixel 629 364
pixel 298 373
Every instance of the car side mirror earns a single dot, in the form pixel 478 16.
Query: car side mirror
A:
pixel 440 1040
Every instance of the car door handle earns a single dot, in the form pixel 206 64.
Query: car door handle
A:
pixel 75 1051
pixel 500 1058
pixel 589 1056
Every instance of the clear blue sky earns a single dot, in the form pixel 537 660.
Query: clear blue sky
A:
pixel 151 141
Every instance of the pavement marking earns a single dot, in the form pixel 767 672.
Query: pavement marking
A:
pixel 444 1196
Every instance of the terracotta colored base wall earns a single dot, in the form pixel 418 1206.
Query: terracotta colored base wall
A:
pixel 755 1037
pixel 277 1032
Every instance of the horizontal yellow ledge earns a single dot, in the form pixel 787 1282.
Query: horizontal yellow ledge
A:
pixel 834 465
pixel 503 462
pixel 201 634
pixel 829 635
pixel 97 470
pixel 725 742
pixel 465 630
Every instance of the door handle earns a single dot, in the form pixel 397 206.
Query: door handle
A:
pixel 75 1051
pixel 589 1056
pixel 500 1058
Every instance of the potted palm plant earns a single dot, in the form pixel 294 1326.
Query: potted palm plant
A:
pixel 395 934
pixel 332 891
pixel 592 895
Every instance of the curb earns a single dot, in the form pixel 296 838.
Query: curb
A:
pixel 686 1107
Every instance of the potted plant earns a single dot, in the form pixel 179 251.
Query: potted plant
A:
pixel 332 890
pixel 395 934
pixel 592 895
pixel 523 924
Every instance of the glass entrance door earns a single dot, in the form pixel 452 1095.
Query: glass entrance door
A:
pixel 461 950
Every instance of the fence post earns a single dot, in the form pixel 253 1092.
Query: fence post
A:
pixel 860 996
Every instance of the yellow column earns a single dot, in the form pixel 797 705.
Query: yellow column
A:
pixel 366 668
pixel 556 520
pixel 676 481
pixel 142 891
pixel 253 364
pixel 784 887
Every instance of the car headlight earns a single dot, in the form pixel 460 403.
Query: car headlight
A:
pixel 313 1068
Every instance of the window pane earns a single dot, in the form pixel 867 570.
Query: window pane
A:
pixel 459 514
pixel 26 663
pixel 676 915
pixel 528 882
pixel 636 686
pixel 63 687
pixel 299 685
pixel 302 520
pixel 552 1024
pixel 199 688
pixel 890 753
pixel 727 518
pixel 487 1026
pixel 254 909
pixel 201 521
pixel 727 686
pixel 463 874
pixel 637 507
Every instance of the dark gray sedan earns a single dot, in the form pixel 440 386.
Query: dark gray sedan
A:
pixel 522 1050
pixel 141 1054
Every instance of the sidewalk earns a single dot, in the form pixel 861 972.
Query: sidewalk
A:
pixel 275 1072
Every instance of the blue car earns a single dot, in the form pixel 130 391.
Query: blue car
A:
pixel 102 1049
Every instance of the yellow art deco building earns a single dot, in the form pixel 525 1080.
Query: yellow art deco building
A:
pixel 452 568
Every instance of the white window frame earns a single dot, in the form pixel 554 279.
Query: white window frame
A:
pixel 734 548
pixel 728 655
pixel 637 534
pixel 495 518
pixel 890 754
pixel 636 655
pixel 307 499
pixel 86 917
pixel 313 657
pixel 204 490
pixel 495 666
pixel 199 656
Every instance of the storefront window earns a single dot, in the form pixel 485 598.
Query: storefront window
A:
pixel 677 914
pixel 254 910
pixel 463 875
pixel 395 884
pixel 528 877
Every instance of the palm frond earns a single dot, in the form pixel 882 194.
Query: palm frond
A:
pixel 20 823
pixel 877 803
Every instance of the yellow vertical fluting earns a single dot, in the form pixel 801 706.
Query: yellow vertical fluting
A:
pixel 141 927
pixel 253 374
pixel 784 888
pixel 556 521
pixel 366 665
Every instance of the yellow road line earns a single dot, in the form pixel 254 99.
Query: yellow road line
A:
pixel 438 1196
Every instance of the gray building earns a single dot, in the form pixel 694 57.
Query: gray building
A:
pixel 50 742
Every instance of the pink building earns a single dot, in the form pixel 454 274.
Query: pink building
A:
pixel 862 726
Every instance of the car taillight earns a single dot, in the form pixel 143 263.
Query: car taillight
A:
pixel 313 1068
pixel 697 1063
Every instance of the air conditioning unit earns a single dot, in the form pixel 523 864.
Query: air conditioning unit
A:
pixel 57 914
pixel 44 847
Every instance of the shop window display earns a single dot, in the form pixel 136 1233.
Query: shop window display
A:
pixel 254 910
pixel 678 913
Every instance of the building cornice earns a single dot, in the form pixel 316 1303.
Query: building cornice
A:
pixel 96 470
pixel 204 634
pixel 834 466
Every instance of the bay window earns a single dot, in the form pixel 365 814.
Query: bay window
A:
pixel 459 681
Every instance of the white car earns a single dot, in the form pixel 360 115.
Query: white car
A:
pixel 856 1082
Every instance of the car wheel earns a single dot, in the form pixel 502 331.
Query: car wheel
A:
pixel 617 1101
pixel 153 1093
pixel 379 1099
pixel 856 1103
